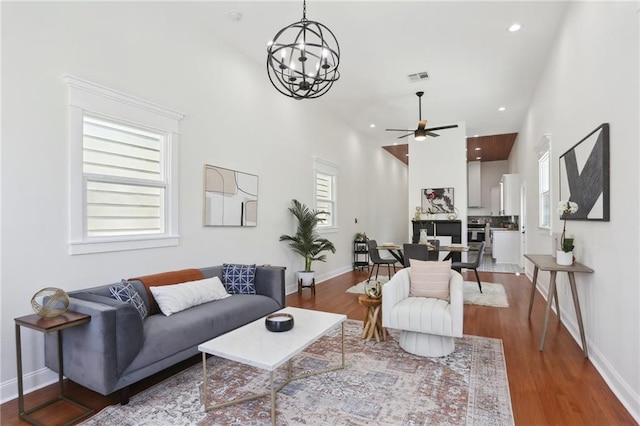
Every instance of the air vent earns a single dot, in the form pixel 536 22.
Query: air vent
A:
pixel 419 76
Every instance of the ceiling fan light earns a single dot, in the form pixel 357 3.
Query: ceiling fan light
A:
pixel 420 135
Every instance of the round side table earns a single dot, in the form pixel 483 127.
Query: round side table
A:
pixel 372 318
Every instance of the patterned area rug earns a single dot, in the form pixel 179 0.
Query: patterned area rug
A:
pixel 381 385
pixel 493 294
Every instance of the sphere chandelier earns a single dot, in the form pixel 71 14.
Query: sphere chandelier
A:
pixel 303 59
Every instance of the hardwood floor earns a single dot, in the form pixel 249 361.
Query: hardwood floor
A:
pixel 554 387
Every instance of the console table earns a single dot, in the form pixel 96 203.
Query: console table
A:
pixel 545 262
pixel 48 325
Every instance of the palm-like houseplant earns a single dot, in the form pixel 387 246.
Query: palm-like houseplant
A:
pixel 306 241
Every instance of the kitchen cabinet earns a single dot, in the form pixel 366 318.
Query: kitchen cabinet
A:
pixel 495 201
pixel 474 188
pixel 505 246
pixel 510 195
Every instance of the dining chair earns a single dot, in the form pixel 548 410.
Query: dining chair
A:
pixel 475 264
pixel 374 255
pixel 414 251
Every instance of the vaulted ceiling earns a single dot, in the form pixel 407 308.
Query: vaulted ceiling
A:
pixel 474 64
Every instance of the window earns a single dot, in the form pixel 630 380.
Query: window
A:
pixel 325 192
pixel 544 186
pixel 123 184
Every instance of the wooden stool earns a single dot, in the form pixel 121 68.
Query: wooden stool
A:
pixel 372 318
pixel 312 286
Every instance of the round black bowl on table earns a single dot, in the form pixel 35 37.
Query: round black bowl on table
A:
pixel 279 322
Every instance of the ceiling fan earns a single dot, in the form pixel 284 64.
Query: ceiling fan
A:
pixel 421 132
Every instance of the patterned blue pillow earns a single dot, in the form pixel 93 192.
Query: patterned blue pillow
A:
pixel 126 292
pixel 239 279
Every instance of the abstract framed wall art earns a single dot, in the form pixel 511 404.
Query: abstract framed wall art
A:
pixel 437 200
pixel 230 197
pixel 584 176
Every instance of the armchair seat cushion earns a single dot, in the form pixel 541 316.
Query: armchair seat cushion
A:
pixel 422 315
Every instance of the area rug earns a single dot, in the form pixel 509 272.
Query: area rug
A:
pixel 381 385
pixel 493 294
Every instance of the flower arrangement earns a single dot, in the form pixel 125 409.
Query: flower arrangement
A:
pixel 565 208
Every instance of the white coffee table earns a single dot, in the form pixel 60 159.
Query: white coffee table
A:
pixel 254 345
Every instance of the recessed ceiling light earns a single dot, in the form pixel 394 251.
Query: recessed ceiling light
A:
pixel 372 125
pixel 395 143
pixel 514 27
pixel 476 136
pixel 502 109
pixel 478 158
pixel 478 149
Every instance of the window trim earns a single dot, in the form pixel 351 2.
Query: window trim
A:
pixel 100 101
pixel 329 169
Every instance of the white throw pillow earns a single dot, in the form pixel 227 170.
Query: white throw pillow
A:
pixel 178 297
pixel 430 279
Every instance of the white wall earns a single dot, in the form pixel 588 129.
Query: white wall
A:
pixel 234 119
pixel 592 77
pixel 439 163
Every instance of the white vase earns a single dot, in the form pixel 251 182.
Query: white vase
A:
pixel 564 258
pixel 306 277
pixel 423 236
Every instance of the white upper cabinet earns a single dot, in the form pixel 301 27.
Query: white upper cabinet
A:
pixel 510 195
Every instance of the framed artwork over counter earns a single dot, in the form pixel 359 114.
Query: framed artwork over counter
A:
pixel 584 176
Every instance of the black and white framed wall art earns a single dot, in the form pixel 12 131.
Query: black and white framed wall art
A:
pixel 437 200
pixel 584 176
pixel 230 197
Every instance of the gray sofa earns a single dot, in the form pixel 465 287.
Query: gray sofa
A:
pixel 118 348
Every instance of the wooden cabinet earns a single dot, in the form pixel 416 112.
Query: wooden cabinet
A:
pixel 360 255
pixel 506 246
pixel 495 201
pixel 447 231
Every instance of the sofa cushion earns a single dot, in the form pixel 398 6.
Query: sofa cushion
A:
pixel 178 297
pixel 167 336
pixel 125 292
pixel 166 278
pixel 239 279
pixel 430 279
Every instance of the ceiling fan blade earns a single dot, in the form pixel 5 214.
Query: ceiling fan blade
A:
pixel 451 126
pixel 404 136
pixel 397 130
pixel 435 135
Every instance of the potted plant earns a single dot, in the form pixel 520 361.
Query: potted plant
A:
pixel 360 237
pixel 565 255
pixel 306 241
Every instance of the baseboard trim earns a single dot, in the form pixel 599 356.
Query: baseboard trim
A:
pixel 620 388
pixel 31 382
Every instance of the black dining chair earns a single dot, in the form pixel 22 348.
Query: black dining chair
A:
pixel 421 252
pixel 414 251
pixel 374 255
pixel 472 265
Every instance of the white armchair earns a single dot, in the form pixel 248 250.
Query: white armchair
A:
pixel 428 325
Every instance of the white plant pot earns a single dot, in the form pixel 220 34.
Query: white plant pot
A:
pixel 306 277
pixel 564 258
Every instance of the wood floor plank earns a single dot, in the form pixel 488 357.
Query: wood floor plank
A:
pixel 554 387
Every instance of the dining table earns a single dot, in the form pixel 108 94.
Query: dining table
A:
pixel 396 250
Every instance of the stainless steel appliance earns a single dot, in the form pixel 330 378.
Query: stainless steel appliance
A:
pixel 476 232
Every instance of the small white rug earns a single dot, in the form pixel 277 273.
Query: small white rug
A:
pixel 493 294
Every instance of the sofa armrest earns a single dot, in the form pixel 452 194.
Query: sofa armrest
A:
pixel 269 281
pixel 456 302
pixel 96 353
pixel 393 292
